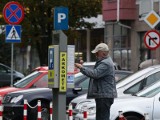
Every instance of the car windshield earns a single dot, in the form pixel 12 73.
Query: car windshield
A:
pixel 26 80
pixel 119 76
pixel 132 77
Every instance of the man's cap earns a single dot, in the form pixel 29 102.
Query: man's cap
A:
pixel 101 47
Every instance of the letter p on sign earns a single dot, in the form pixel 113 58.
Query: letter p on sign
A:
pixel 61 18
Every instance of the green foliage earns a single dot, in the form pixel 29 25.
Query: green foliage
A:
pixel 37 25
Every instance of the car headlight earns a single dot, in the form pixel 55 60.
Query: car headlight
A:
pixel 86 106
pixel 90 110
pixel 81 104
pixel 16 99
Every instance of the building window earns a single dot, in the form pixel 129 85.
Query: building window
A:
pixel 121 44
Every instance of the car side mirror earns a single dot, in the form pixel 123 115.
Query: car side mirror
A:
pixel 77 89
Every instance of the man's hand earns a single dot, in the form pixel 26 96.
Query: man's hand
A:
pixel 78 65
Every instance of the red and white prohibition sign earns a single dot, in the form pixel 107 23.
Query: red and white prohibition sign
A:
pixel 152 39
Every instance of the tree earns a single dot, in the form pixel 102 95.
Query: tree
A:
pixel 38 22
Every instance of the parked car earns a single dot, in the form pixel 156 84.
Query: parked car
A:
pixel 13 102
pixel 133 107
pixel 148 62
pixel 35 79
pixel 5 75
pixel 131 84
pixel 121 74
pixel 91 65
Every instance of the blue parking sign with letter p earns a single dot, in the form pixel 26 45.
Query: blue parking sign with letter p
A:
pixel 61 18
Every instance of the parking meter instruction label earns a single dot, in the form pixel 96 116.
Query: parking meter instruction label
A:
pixel 63 72
pixel 50 77
pixel 51 58
pixel 51 66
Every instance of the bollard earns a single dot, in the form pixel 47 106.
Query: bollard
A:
pixel 25 110
pixel 85 115
pixel 51 110
pixel 70 115
pixel 1 109
pixel 121 117
pixel 39 110
pixel 146 116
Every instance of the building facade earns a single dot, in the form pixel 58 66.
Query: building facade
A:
pixel 125 29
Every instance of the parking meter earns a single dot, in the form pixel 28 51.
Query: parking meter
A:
pixel 53 66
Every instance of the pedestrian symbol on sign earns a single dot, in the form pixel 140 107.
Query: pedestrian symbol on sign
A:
pixel 13 33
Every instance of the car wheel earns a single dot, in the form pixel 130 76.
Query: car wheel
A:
pixel 44 112
pixel 132 118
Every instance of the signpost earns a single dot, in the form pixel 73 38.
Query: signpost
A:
pixel 13 14
pixel 59 93
pixel 152 19
pixel 152 39
pixel 13 34
pixel 59 83
pixel 61 18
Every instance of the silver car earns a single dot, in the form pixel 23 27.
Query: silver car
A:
pixel 134 107
pixel 129 85
pixel 5 75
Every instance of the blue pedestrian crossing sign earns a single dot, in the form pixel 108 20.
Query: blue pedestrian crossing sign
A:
pixel 13 33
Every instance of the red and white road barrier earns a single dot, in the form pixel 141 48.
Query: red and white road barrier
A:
pixel 1 108
pixel 121 117
pixel 146 116
pixel 51 110
pixel 25 110
pixel 70 113
pixel 39 110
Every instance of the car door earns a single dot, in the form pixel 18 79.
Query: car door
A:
pixel 156 107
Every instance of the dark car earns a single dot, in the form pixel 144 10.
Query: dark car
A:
pixel 5 75
pixel 13 102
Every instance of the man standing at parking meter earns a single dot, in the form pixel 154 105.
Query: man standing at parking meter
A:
pixel 102 86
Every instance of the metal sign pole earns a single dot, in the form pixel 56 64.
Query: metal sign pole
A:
pixel 59 94
pixel 12 47
pixel 59 38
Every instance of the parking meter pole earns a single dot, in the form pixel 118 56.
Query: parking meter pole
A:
pixel 12 47
pixel 59 94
